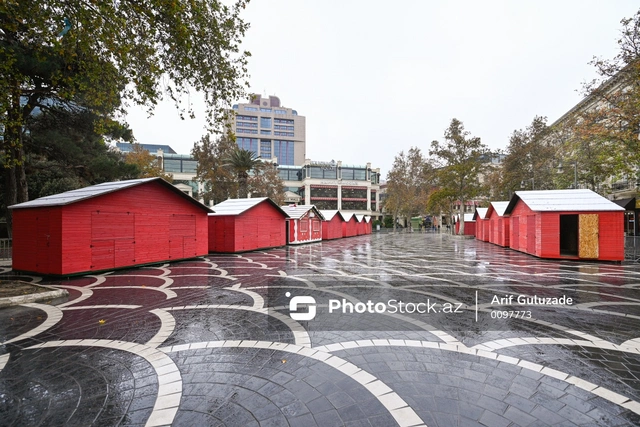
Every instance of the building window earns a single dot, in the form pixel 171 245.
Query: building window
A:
pixel 247 125
pixel 249 144
pixel 265 122
pixel 280 133
pixel 249 118
pixel 283 151
pixel 280 111
pixel 265 148
pixel 284 121
pixel 250 108
pixel 316 225
pixel 265 110
pixel 265 132
pixel 304 225
pixel 253 131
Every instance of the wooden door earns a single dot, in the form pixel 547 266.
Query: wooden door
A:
pixel 588 236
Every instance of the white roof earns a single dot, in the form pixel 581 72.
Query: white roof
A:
pixel 238 206
pixel 298 211
pixel 346 216
pixel 581 200
pixel 468 217
pixel 367 218
pixel 328 214
pixel 359 218
pixel 481 212
pixel 500 207
pixel 74 196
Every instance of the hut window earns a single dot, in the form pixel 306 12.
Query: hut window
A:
pixel 316 225
pixel 304 225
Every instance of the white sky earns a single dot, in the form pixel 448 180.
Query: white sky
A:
pixel 374 78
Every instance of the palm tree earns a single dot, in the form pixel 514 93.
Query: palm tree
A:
pixel 242 161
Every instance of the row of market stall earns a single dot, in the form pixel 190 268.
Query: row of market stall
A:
pixel 555 224
pixel 137 222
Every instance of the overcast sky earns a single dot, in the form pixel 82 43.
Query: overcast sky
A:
pixel 374 77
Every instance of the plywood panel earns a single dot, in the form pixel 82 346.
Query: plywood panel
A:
pixel 588 225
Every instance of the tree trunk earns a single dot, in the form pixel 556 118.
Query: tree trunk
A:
pixel 461 229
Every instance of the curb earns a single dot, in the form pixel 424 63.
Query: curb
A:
pixel 39 297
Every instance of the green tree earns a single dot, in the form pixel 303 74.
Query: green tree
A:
pixel 265 182
pixel 461 160
pixel 146 163
pixel 408 184
pixel 66 151
pixel 604 132
pixel 530 160
pixel 106 52
pixel 242 162
pixel 219 181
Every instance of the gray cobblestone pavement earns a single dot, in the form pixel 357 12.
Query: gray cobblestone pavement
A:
pixel 219 340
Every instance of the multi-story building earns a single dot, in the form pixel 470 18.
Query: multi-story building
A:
pixel 333 185
pixel 265 127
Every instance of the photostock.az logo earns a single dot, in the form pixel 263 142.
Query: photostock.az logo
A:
pixel 307 301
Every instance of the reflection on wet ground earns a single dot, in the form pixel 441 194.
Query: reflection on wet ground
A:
pixel 392 329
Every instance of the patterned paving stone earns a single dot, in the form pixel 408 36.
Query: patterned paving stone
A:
pixel 210 341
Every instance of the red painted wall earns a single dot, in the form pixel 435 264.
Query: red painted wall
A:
pixel 305 229
pixel 469 228
pixel 350 228
pixel 538 233
pixel 261 227
pixel 332 229
pixel 144 224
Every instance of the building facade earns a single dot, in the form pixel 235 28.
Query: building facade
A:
pixel 271 131
pixel 332 185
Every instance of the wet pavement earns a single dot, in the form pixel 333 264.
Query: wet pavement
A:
pixel 381 330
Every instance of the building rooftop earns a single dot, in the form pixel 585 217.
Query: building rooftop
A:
pixel 581 200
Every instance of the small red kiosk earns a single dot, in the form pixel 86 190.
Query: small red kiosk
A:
pixel 568 224
pixel 498 223
pixel 108 226
pixel 349 225
pixel 304 224
pixel 469 224
pixel 482 229
pixel 239 225
pixel 332 225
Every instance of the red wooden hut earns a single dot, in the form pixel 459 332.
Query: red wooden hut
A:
pixel 469 224
pixel 498 223
pixel 239 225
pixel 570 224
pixel 304 224
pixel 349 225
pixel 108 226
pixel 368 224
pixel 482 228
pixel 360 225
pixel 332 225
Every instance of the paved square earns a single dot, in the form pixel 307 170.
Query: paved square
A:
pixel 409 329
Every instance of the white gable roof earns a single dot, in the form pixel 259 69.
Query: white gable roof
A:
pixel 480 213
pixel 298 211
pixel 238 206
pixel 328 214
pixel 500 207
pixel 581 200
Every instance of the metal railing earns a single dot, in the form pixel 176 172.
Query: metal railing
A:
pixel 632 248
pixel 5 249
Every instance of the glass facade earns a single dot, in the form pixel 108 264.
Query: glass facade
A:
pixel 249 144
pixel 283 151
pixel 356 174
pixel 179 163
pixel 290 174
pixel 265 148
pixel 265 122
pixel 320 172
